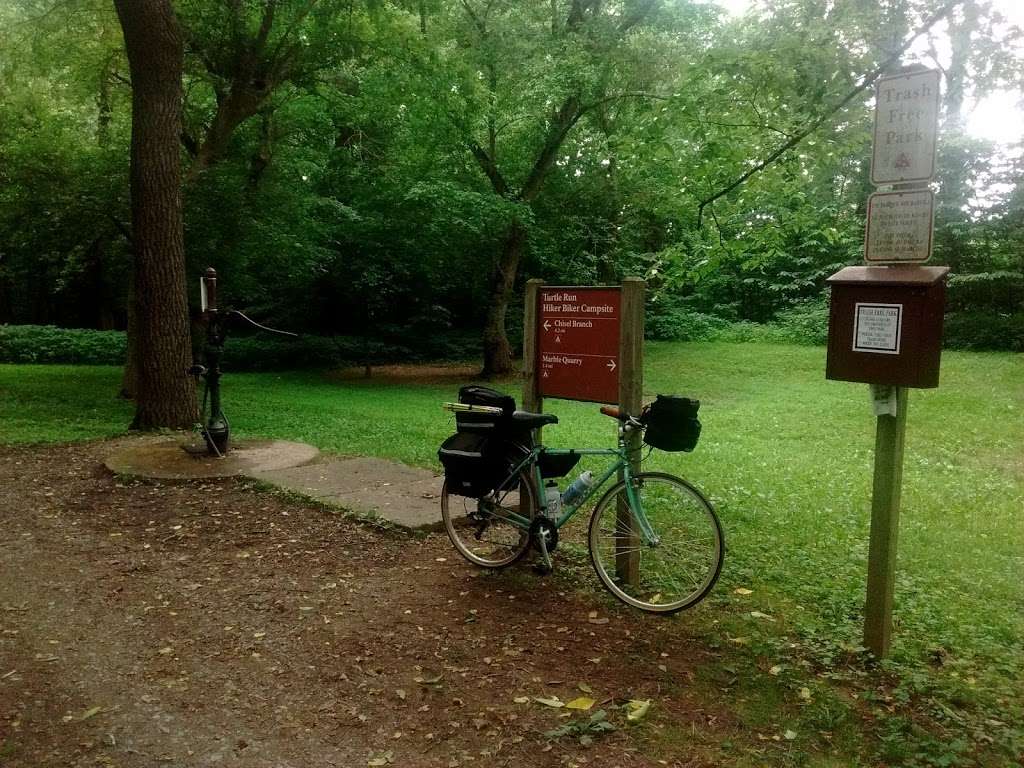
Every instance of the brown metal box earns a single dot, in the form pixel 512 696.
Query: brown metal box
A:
pixel 885 325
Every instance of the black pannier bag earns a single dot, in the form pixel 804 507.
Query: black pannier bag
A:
pixel 672 423
pixel 474 464
pixel 483 423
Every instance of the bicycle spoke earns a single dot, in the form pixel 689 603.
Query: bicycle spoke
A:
pixel 677 566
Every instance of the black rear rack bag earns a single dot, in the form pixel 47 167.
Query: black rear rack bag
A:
pixel 484 423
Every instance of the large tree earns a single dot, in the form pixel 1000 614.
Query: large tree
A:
pixel 530 72
pixel 165 395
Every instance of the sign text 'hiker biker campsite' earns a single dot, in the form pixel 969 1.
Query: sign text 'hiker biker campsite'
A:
pixel 578 343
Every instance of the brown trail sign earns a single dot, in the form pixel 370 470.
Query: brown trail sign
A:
pixel 578 343
pixel 586 343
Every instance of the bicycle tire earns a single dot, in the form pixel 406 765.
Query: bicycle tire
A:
pixel 672 506
pixel 461 515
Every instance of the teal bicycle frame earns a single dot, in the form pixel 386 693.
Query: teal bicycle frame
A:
pixel 621 465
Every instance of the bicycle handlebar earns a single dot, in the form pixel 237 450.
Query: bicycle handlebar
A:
pixel 627 421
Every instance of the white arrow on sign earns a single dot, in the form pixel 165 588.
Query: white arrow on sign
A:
pixel 547 326
pixel 611 365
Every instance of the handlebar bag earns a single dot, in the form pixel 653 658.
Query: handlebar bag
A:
pixel 672 423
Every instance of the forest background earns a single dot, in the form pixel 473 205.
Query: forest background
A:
pixel 383 175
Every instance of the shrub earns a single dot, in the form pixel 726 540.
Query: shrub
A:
pixel 48 344
pixel 985 330
pixel 259 352
pixel 804 324
pixel 677 324
pixel 1000 291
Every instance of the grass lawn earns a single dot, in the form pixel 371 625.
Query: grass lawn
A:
pixel 787 458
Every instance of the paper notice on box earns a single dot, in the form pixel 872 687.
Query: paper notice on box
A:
pixel 877 328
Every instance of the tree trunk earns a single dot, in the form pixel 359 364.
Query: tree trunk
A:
pixel 497 350
pixel 165 394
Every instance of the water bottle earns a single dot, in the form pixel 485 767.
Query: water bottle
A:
pixel 553 499
pixel 578 489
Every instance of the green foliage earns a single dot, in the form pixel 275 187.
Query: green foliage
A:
pixel 48 344
pixel 985 330
pixel 262 352
pixel 584 728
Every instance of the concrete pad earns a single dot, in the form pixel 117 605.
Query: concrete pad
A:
pixel 166 460
pixel 405 496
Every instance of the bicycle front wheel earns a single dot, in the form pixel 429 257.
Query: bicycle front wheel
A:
pixel 494 531
pixel 675 570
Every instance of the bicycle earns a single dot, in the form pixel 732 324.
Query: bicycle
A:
pixel 654 539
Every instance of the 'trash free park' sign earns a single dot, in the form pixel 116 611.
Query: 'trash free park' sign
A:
pixel 906 123
pixel 578 343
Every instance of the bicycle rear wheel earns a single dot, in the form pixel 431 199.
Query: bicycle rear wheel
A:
pixel 483 530
pixel 680 567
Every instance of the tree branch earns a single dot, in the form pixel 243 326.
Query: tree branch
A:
pixel 567 116
pixel 490 168
pixel 864 84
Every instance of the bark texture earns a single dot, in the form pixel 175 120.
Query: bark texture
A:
pixel 165 395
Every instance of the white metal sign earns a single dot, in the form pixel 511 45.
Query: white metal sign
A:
pixel 899 227
pixel 906 123
pixel 877 328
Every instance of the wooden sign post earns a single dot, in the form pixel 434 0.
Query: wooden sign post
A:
pixel 885 322
pixel 587 343
pixel 885 524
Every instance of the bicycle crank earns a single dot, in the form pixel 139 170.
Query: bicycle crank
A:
pixel 544 534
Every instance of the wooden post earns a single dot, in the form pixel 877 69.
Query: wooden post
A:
pixel 631 400
pixel 532 401
pixel 885 519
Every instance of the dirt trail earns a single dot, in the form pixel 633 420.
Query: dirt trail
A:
pixel 211 624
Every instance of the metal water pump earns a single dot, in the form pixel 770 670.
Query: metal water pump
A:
pixel 214 425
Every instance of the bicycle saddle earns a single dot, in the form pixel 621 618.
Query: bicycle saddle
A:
pixel 533 420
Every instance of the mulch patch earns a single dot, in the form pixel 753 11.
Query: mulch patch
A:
pixel 208 623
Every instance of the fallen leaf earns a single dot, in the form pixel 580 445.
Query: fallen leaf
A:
pixel 759 615
pixel 521 699
pixel 743 591
pixel 584 687
pixel 384 758
pixel 775 670
pixel 805 694
pixel 790 735
pixel 427 679
pixel 552 701
pixel 400 694
pixel 583 702
pixel 636 709
pixel 90 713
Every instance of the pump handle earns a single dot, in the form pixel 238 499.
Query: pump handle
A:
pixel 254 324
